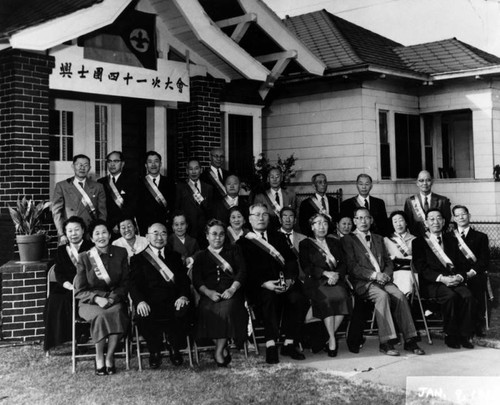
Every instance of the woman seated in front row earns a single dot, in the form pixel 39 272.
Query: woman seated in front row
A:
pixel 101 286
pixel 218 274
pixel 398 246
pixel 57 314
pixel 322 261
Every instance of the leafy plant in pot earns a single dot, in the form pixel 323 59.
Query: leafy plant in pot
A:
pixel 30 237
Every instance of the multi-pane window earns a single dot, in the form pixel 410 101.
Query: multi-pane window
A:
pixel 385 152
pixel 101 138
pixel 408 145
pixel 61 135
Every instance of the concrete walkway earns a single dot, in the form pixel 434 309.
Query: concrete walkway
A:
pixel 439 360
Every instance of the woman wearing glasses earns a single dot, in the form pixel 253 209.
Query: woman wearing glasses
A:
pixel 323 263
pixel 101 286
pixel 218 274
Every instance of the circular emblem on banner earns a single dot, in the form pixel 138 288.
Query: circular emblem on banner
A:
pixel 139 39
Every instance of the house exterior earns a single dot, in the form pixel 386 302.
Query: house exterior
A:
pixel 390 110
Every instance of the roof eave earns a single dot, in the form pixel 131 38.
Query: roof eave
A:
pixel 59 30
pixel 491 70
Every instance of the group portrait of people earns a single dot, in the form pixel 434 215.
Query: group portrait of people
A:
pixel 189 257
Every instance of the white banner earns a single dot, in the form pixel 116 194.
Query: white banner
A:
pixel 72 72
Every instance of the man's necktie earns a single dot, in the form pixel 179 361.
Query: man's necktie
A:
pixel 263 236
pixel 426 205
pixel 440 241
pixel 277 198
pixel 219 173
pixel 367 238
pixel 462 234
pixel 114 179
pixel 323 203
pixel 81 184
pixel 160 256
pixel 367 206
pixel 196 186
pixel 154 181
pixel 289 239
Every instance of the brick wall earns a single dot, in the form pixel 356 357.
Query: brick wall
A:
pixel 24 289
pixel 24 123
pixel 199 122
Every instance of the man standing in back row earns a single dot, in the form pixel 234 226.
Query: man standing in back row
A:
pixel 78 196
pixel 417 206
pixel 376 206
pixel 216 175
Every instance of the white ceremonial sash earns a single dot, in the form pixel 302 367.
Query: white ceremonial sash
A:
pixel 221 262
pixel 98 266
pixel 217 183
pixel 72 253
pixel 438 251
pixel 400 244
pixel 196 193
pixel 117 198
pixel 464 248
pixel 276 207
pixel 317 205
pixel 369 252
pixel 155 191
pixel 86 201
pixel 330 259
pixel 266 246
pixel 417 208
pixel 158 264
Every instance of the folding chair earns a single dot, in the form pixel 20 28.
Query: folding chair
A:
pixel 140 342
pixel 75 346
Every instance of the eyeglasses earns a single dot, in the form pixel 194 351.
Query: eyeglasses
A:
pixel 82 165
pixel 158 234
pixel 261 215
pixel 113 161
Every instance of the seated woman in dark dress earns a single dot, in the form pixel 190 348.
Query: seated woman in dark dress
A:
pixel 323 263
pixel 218 274
pixel 101 286
pixel 57 314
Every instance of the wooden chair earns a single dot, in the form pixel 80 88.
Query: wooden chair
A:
pixel 85 349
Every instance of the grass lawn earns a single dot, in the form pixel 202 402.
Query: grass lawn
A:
pixel 28 377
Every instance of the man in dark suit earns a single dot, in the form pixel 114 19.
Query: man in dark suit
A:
pixel 417 206
pixel 370 270
pixel 156 194
pixel 376 206
pixel 78 196
pixel 293 238
pixel 159 288
pixel 443 273
pixel 319 203
pixel 216 175
pixel 195 198
pixel 273 284
pixel 232 199
pixel 121 190
pixel 477 260
pixel 276 197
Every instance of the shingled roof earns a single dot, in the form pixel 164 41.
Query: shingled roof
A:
pixel 449 55
pixel 16 15
pixel 342 45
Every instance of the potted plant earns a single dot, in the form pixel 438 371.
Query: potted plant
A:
pixel 30 237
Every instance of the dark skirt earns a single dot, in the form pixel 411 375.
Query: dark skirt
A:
pixel 329 300
pixel 57 319
pixel 223 319
pixel 105 322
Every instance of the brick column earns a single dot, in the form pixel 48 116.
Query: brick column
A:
pixel 24 289
pixel 199 122
pixel 24 170
pixel 24 132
